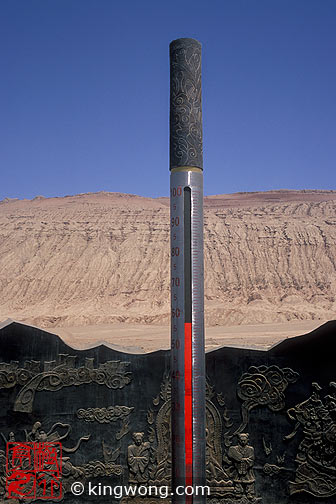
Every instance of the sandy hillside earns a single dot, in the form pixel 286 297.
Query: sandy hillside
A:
pixel 103 258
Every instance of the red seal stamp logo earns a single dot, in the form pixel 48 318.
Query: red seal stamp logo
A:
pixel 34 470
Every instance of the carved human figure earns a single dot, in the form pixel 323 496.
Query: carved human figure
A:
pixel 38 435
pixel 242 456
pixel 316 453
pixel 138 458
pixel 42 437
pixel 311 414
pixel 34 434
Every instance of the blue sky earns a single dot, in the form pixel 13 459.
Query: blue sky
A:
pixel 84 94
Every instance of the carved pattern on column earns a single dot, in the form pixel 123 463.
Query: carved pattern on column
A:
pixel 186 148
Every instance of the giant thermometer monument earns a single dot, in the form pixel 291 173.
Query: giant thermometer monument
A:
pixel 187 277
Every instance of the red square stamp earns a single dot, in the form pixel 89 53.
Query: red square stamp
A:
pixel 34 470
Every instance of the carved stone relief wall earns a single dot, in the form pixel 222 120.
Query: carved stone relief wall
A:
pixel 270 416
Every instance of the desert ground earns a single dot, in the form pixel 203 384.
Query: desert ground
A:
pixel 95 267
pixel 135 338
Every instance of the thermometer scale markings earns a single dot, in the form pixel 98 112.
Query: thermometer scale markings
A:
pixel 188 392
pixel 188 405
